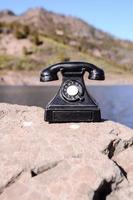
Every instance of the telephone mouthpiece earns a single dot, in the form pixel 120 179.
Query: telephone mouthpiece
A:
pixel 47 75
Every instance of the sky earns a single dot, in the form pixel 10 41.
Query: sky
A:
pixel 112 16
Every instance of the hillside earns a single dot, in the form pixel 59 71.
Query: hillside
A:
pixel 39 37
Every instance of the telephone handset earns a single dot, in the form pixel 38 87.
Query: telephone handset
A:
pixel 72 102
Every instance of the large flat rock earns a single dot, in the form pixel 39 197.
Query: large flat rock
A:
pixel 67 161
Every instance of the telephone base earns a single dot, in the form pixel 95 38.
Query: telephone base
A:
pixel 78 115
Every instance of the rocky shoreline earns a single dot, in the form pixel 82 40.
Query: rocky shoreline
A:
pixel 73 161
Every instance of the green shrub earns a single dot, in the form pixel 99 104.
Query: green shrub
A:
pixel 63 57
pixel 21 31
pixel 26 51
pixel 35 39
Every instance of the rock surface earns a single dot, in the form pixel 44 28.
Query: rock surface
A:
pixel 72 161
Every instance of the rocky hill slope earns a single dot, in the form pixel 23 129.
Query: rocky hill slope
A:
pixel 42 27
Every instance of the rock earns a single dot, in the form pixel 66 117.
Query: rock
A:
pixel 73 161
pixel 96 52
pixel 125 159
pixel 10 45
pixel 59 32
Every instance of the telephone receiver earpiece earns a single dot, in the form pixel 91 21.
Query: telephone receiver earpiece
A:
pixel 50 73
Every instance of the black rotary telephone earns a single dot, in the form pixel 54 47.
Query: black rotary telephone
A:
pixel 72 102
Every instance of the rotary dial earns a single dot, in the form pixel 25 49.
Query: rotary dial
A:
pixel 72 90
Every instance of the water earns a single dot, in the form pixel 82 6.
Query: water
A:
pixel 116 102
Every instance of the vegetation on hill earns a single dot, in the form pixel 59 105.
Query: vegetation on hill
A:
pixel 47 38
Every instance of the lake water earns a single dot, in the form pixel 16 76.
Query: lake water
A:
pixel 116 102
